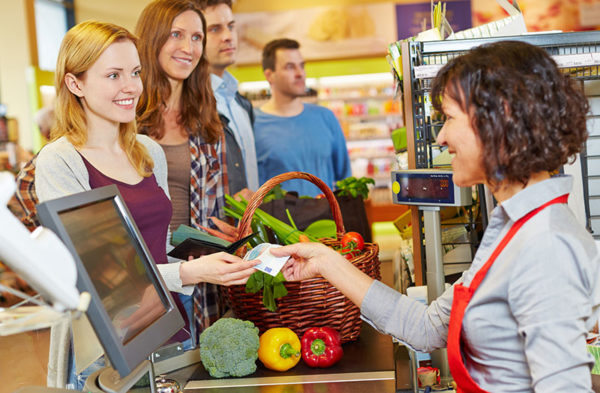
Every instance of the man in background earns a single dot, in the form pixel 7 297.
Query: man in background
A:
pixel 235 111
pixel 292 135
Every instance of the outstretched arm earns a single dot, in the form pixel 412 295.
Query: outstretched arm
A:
pixel 310 260
pixel 422 327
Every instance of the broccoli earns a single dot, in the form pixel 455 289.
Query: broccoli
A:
pixel 229 348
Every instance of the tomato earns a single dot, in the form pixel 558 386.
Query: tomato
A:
pixel 353 237
pixel 349 254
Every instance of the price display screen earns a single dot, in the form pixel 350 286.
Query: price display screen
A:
pixel 423 188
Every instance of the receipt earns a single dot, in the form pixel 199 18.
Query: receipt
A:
pixel 270 264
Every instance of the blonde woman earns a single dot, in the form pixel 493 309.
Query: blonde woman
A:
pixel 95 143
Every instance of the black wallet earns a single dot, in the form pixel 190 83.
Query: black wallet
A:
pixel 197 248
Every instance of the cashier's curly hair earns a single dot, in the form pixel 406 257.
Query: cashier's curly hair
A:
pixel 529 116
pixel 198 113
pixel 80 49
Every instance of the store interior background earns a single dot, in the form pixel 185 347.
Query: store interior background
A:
pixel 15 51
pixel 18 53
pixel 16 57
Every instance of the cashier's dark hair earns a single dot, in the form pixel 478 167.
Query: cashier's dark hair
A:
pixel 530 117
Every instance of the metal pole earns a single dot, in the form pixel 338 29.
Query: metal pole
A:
pixel 433 252
pixel 435 276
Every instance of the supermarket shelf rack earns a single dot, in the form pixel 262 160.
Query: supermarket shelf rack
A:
pixel 577 54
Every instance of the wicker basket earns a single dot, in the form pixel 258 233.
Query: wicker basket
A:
pixel 312 302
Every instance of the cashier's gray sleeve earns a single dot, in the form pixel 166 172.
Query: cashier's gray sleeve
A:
pixel 423 328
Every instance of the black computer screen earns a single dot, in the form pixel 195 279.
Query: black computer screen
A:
pixel 131 301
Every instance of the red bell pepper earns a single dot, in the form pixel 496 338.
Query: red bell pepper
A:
pixel 321 347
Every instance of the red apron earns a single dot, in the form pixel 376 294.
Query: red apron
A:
pixel 462 297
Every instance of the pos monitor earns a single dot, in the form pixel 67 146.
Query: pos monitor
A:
pixel 131 311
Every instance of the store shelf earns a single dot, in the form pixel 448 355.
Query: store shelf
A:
pixel 354 156
pixel 376 138
pixel 381 116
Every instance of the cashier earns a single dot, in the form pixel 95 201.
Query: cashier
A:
pixel 516 320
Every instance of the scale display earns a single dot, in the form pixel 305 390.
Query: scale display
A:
pixel 425 187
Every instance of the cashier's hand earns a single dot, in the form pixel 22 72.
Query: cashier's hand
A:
pixel 307 260
pixel 220 268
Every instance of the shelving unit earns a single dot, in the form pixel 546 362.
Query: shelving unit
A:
pixel 577 54
pixel 367 111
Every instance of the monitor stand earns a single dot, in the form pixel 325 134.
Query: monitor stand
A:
pixel 172 357
pixel 108 380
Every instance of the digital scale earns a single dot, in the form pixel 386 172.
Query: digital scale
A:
pixel 430 190
pixel 428 187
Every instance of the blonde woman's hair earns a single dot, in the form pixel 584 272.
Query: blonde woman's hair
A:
pixel 80 49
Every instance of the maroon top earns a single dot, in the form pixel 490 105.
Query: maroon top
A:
pixel 151 210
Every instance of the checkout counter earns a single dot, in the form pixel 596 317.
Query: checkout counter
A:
pixel 370 364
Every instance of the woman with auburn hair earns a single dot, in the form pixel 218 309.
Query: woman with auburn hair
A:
pixel 95 143
pixel 178 110
pixel 517 319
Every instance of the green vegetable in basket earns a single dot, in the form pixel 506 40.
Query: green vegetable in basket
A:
pixel 229 348
pixel 322 228
pixel 354 187
pixel 276 193
pixel 273 288
pixel 285 233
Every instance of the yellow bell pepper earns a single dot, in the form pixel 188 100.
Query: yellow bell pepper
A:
pixel 279 349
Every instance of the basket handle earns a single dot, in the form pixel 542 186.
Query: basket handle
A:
pixel 244 227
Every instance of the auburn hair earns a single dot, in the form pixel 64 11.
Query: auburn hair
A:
pixel 198 114
pixel 528 115
pixel 80 49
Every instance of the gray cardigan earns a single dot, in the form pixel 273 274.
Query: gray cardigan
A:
pixel 60 171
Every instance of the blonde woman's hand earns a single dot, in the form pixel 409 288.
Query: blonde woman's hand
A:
pixel 220 268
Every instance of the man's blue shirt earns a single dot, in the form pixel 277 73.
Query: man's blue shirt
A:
pixel 311 141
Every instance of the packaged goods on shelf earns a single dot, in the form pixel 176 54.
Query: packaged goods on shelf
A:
pixel 368 130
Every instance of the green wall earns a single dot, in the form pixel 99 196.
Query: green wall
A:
pixel 317 69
